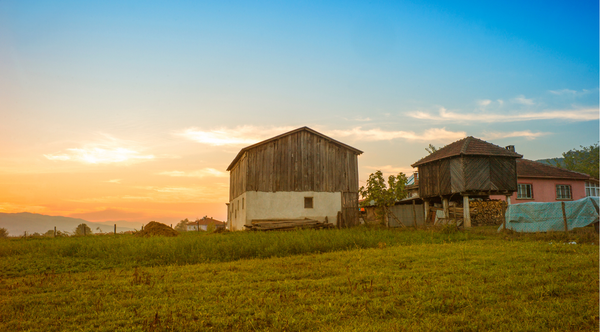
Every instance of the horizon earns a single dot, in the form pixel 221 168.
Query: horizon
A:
pixel 117 111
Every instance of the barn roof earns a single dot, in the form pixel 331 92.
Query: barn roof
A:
pixel 468 146
pixel 314 132
pixel 533 169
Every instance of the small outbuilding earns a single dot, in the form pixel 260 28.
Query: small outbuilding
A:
pixel 467 168
pixel 296 175
pixel 204 224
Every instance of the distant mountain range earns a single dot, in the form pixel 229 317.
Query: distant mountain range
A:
pixel 19 223
pixel 552 161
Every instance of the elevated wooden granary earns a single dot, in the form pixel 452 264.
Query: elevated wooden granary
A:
pixel 296 175
pixel 469 167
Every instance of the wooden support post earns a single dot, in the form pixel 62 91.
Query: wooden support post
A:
pixel 426 208
pixel 466 212
pixel 115 229
pixel 562 204
pixel 454 213
pixel 508 199
pixel 414 213
pixel 54 231
pixel 445 207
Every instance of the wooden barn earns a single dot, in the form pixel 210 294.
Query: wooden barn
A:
pixel 296 175
pixel 467 168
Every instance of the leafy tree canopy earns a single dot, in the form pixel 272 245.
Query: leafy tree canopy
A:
pixel 83 229
pixel 3 232
pixel 431 149
pixel 382 193
pixel 182 225
pixel 584 160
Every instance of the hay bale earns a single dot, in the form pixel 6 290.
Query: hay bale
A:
pixel 154 228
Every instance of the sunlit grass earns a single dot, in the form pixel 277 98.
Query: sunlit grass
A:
pixel 341 280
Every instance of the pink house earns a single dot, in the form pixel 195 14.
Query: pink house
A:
pixel 539 182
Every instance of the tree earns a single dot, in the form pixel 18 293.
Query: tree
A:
pixel 182 225
pixel 582 161
pixel 3 233
pixel 382 195
pixel 431 149
pixel 83 229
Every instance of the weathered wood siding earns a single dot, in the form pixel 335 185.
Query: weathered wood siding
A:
pixel 350 210
pixel 457 175
pixel 503 173
pixel 297 162
pixel 477 173
pixel 467 174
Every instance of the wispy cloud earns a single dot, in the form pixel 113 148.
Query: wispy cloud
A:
pixel 584 114
pixel 100 155
pixel 524 101
pixel 371 135
pixel 484 102
pixel 118 181
pixel 569 92
pixel 527 134
pixel 201 173
pixel 238 136
pixel 106 151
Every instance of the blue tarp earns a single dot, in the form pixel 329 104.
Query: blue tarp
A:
pixel 544 217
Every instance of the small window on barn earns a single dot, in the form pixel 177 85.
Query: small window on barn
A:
pixel 308 202
pixel 242 203
pixel 563 191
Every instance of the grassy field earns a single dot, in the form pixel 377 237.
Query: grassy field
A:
pixel 340 280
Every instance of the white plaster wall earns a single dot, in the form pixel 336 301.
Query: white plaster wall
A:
pixel 290 205
pixel 237 213
pixel 284 205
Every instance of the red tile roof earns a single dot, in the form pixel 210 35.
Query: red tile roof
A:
pixel 206 221
pixel 533 169
pixel 468 146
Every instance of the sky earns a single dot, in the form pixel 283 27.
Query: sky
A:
pixel 132 110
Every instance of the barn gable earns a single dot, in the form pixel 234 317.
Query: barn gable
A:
pixel 301 161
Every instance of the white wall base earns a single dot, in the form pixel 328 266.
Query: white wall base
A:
pixel 282 205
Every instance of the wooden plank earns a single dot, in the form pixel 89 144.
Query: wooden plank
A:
pixel 477 173
pixel 414 213
pixel 457 175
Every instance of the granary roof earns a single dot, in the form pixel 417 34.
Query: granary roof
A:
pixel 468 146
pixel 241 153
pixel 533 169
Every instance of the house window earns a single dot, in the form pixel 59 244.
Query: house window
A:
pixel 308 202
pixel 592 189
pixel 563 191
pixel 242 203
pixel 525 191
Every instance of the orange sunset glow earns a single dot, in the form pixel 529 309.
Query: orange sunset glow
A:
pixel 128 113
